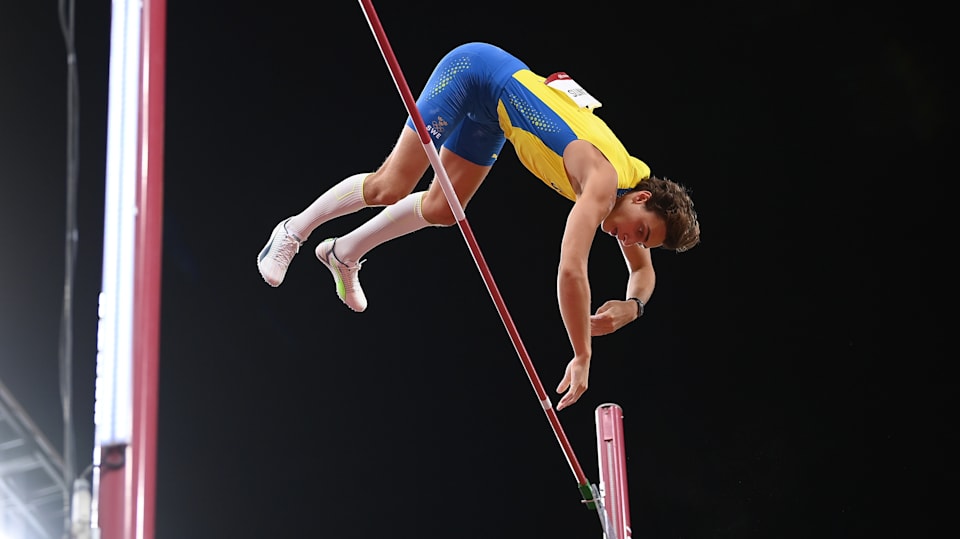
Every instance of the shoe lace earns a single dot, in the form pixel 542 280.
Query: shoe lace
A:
pixel 349 269
pixel 332 259
pixel 289 247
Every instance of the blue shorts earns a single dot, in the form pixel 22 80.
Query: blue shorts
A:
pixel 459 101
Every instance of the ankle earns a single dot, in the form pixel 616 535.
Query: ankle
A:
pixel 295 231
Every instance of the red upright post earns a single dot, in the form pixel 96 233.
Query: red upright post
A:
pixel 146 329
pixel 125 479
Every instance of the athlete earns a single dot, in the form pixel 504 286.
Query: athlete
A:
pixel 478 97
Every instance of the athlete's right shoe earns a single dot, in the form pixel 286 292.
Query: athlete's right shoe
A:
pixel 346 278
pixel 277 254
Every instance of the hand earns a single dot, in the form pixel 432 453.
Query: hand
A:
pixel 574 379
pixel 611 316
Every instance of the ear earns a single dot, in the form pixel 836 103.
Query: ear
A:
pixel 641 196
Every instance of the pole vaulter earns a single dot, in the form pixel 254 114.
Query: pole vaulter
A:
pixel 589 492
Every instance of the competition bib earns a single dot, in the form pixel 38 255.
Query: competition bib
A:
pixel 561 81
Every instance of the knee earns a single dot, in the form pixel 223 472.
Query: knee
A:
pixel 436 211
pixel 379 190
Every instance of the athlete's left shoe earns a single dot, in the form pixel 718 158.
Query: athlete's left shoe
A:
pixel 346 278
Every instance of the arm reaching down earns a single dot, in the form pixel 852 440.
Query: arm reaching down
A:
pixel 596 181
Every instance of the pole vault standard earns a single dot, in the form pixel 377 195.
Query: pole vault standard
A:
pixel 613 469
pixel 125 413
pixel 590 494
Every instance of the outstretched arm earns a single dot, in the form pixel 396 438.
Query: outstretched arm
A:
pixel 615 314
pixel 597 183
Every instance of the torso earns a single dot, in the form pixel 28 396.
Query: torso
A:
pixel 541 121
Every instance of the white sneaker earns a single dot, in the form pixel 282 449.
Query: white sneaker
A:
pixel 277 254
pixel 346 278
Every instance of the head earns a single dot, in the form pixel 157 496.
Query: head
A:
pixel 657 213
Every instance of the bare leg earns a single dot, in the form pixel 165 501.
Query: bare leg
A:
pixel 413 212
pixel 396 178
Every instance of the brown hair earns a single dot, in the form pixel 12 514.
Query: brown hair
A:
pixel 671 201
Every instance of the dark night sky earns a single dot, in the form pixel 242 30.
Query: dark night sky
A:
pixel 788 380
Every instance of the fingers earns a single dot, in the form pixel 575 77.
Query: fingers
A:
pixel 564 384
pixel 571 397
pixel 574 382
pixel 604 308
pixel 600 325
pixel 598 328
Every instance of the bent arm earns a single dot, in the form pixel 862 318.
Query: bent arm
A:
pixel 641 278
pixel 617 313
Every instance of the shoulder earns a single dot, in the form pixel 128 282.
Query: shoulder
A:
pixel 583 153
pixel 588 168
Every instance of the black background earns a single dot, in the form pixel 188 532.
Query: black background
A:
pixel 788 380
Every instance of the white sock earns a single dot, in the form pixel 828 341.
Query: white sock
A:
pixel 341 199
pixel 392 222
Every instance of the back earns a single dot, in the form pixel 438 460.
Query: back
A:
pixel 540 121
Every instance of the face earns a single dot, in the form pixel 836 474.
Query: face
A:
pixel 633 224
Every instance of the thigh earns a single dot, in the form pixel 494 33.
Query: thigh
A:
pixel 477 142
pixel 399 173
pixel 465 178
pixel 460 98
